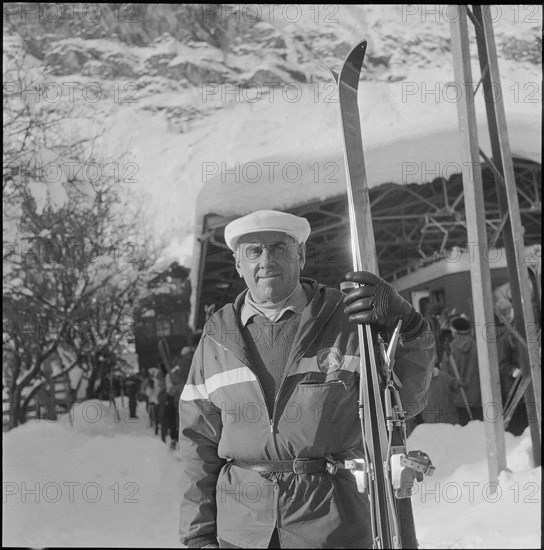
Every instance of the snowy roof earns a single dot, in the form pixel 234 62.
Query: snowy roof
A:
pixel 406 140
pixel 292 153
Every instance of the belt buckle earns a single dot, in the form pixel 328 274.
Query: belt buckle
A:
pixel 299 460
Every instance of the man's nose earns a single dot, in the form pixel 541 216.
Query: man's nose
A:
pixel 267 257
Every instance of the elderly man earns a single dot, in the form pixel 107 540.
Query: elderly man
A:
pixel 271 399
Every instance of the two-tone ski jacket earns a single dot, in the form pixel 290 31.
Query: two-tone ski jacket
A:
pixel 224 416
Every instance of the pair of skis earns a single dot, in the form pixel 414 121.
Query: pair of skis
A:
pixel 387 471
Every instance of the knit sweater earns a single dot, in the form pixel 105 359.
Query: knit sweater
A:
pixel 269 345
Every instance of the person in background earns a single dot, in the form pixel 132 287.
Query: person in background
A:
pixel 463 355
pixel 162 399
pixel 177 378
pixel 441 406
pixel 438 322
pixel 151 389
pixel 186 359
pixel 508 349
pixel 142 392
pixel 132 387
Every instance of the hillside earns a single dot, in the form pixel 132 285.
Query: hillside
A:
pixel 185 91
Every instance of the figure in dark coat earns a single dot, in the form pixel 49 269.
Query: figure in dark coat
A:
pixel 440 403
pixel 464 356
pixel 508 348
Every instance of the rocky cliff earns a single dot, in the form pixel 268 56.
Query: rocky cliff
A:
pixel 169 77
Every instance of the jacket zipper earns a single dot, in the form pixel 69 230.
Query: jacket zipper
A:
pixel 271 421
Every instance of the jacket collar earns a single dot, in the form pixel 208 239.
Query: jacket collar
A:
pixel 225 327
pixel 323 302
pixel 296 302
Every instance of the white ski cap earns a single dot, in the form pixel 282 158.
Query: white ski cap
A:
pixel 267 220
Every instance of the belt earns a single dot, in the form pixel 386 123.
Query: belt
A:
pixel 297 466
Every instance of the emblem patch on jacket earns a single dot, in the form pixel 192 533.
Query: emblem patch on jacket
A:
pixel 329 360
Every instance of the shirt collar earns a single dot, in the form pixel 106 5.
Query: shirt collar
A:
pixel 295 302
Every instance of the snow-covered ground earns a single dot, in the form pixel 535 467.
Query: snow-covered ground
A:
pixel 100 483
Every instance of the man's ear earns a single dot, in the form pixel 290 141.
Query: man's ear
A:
pixel 302 259
pixel 237 262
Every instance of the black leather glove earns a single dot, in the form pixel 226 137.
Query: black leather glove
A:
pixel 377 302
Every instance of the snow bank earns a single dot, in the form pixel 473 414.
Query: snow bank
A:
pixel 99 483
pixel 458 507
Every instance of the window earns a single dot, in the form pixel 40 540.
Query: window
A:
pixel 420 298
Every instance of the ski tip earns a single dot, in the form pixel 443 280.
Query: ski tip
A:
pixel 359 49
pixel 351 67
pixel 331 71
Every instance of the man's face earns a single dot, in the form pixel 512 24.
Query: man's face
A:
pixel 270 263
